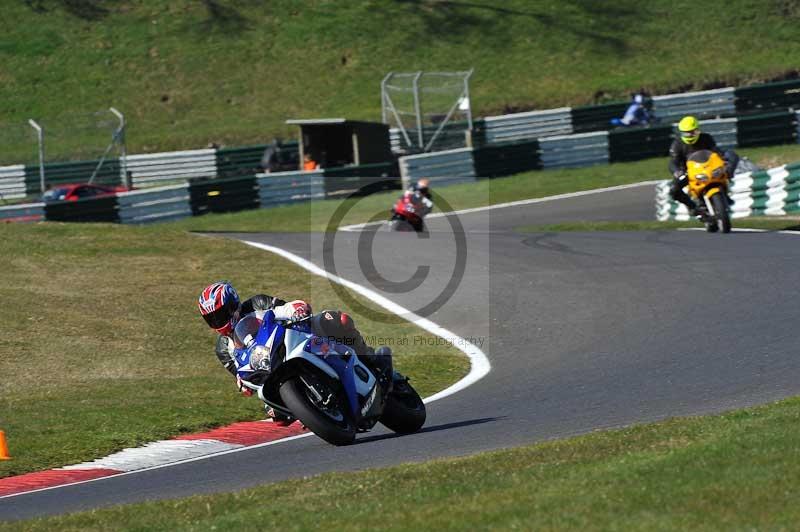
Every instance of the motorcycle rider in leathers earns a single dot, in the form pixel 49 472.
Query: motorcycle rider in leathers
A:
pixel 419 195
pixel 221 308
pixel 692 140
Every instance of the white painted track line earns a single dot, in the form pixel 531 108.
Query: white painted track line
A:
pixel 545 199
pixel 479 362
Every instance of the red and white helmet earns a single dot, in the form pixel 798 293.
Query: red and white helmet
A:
pixel 218 305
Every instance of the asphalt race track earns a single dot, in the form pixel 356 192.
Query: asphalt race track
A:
pixel 583 330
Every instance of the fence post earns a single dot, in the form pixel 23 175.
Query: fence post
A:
pixel 123 152
pixel 40 134
pixel 466 96
pixel 417 109
pixel 384 117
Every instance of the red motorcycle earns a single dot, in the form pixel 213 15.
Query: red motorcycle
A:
pixel 409 212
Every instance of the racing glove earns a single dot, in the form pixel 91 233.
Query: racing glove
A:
pixel 261 302
pixel 293 310
pixel 264 302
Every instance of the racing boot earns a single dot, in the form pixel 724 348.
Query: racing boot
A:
pixel 379 361
pixel 699 212
pixel 276 417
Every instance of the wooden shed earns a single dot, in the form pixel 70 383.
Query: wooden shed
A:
pixel 337 142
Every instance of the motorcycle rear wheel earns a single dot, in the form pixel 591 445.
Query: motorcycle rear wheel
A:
pixel 404 412
pixel 332 424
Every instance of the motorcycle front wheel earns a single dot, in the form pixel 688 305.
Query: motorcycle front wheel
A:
pixel 400 226
pixel 721 212
pixel 404 412
pixel 315 404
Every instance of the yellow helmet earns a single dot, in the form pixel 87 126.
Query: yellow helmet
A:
pixel 689 129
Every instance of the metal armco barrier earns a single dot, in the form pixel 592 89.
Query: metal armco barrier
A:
pixel 245 161
pixel 282 188
pixel 527 126
pixel 396 141
pixel 596 117
pixel 154 205
pixel 104 209
pixel 584 149
pixel 637 143
pixel 498 160
pixel 765 130
pixel 797 121
pixel 452 136
pixel 156 167
pixel 12 182
pixel 30 212
pixel 703 104
pixel 768 97
pixel 360 180
pixel 145 169
pixel 223 195
pixel 442 168
pixel 724 131
pixel 73 172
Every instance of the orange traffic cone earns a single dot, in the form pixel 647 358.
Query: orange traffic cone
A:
pixel 3 447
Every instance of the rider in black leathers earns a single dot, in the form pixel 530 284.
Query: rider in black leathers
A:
pixel 690 141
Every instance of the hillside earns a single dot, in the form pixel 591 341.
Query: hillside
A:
pixel 188 73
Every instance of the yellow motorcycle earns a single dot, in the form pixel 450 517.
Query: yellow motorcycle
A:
pixel 708 182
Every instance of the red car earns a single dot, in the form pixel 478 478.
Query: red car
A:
pixel 76 191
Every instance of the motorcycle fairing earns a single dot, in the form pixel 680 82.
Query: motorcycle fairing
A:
pixel 270 335
pixel 344 361
pixel 336 360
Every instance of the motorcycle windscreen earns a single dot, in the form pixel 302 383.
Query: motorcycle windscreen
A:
pixel 246 331
pixel 700 156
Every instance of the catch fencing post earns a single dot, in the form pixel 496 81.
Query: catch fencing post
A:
pixel 40 134
pixel 417 108
pixel 466 97
pixel 123 154
pixel 384 118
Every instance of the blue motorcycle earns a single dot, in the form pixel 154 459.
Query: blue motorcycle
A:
pixel 319 381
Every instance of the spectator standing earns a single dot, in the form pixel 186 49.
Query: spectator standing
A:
pixel 270 161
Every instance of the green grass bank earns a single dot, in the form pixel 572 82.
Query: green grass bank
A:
pixel 188 73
